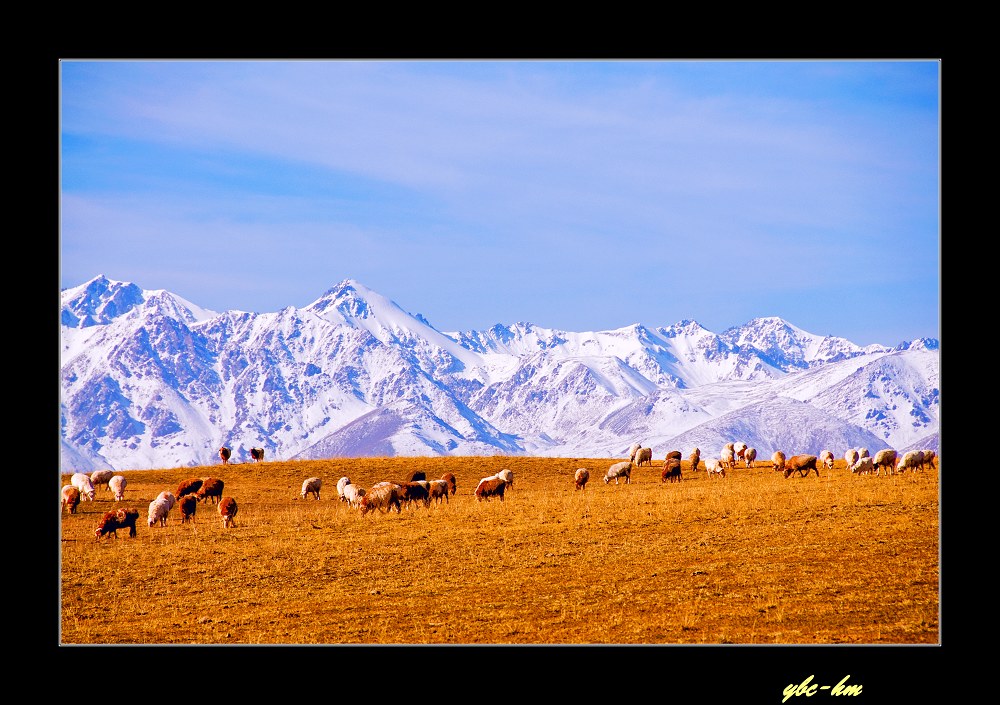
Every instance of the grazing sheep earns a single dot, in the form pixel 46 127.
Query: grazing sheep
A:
pixel 117 486
pixel 750 456
pixel 739 450
pixel 411 492
pixel 644 456
pixel 341 484
pixel 117 519
pixel 82 482
pixel 101 477
pixel 619 470
pixel 188 506
pixel 452 484
pixel 169 497
pixel 211 488
pixel 778 461
pixel 885 458
pixel 352 495
pixel 632 449
pixel 912 460
pixel 671 470
pixel 438 490
pixel 801 464
pixel 157 513
pixel 383 496
pixel 227 511
pixel 851 457
pixel 225 454
pixel 863 453
pixel 580 479
pixel 714 466
pixel 863 466
pixel 826 457
pixel 929 457
pixel 189 486
pixel 70 498
pixel 311 486
pixel 674 454
pixel 507 476
pixel 490 487
pixel 728 457
pixel 256 455
pixel 694 459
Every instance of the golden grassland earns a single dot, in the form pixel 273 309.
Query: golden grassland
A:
pixel 752 558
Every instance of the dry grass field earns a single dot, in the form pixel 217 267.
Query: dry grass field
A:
pixel 752 558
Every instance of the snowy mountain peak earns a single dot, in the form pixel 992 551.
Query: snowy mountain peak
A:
pixel 98 302
pixel 149 379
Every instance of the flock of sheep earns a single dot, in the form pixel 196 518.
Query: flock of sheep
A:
pixel 417 489
pixel 82 487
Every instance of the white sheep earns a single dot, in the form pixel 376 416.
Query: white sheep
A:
pixel 352 495
pixel 82 482
pixel 619 470
pixel 851 457
pixel 157 512
pixel 311 486
pixel 929 457
pixel 117 486
pixel 778 461
pixel 580 478
pixel 863 453
pixel 728 456
pixel 168 497
pixel 912 460
pixel 863 466
pixel 714 466
pixel 885 458
pixel 632 450
pixel 739 449
pixel 826 457
pixel 750 456
pixel 643 456
pixel 341 484
pixel 101 477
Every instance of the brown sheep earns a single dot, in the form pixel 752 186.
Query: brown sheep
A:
pixel 694 459
pixel 490 487
pixel 671 470
pixel 189 486
pixel 580 479
pixel 438 490
pixel 188 505
pixel 256 454
pixel 117 519
pixel 211 488
pixel 801 464
pixel 227 510
pixel 225 454
pixel 70 498
pixel 416 476
pixel 450 479
pixel 411 492
pixel 383 496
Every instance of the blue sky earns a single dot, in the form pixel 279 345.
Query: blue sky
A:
pixel 577 195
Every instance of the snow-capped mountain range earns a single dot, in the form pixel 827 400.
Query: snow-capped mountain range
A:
pixel 150 380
